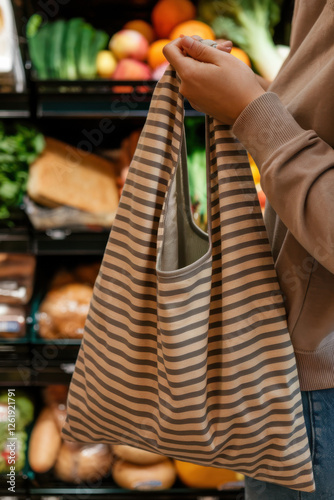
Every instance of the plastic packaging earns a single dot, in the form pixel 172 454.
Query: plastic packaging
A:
pixel 73 219
pixel 12 322
pixel 16 278
pixel 77 463
pixel 63 312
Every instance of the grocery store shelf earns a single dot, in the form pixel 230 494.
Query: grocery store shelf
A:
pixel 53 242
pixel 43 484
pixel 75 102
pixel 14 105
pixel 94 99
pixel 65 242
pixel 81 99
pixel 118 494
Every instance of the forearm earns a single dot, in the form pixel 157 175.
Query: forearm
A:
pixel 297 173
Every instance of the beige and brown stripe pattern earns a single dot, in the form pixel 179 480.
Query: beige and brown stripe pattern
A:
pixel 194 362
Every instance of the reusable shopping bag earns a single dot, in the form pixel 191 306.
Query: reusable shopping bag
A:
pixel 186 350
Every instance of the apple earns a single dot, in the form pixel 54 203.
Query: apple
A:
pixel 129 43
pixel 130 69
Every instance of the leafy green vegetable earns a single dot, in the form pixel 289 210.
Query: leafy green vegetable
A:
pixel 24 408
pixel 18 149
pixel 20 452
pixel 37 37
pixel 249 24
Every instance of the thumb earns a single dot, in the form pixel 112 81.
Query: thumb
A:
pixel 200 51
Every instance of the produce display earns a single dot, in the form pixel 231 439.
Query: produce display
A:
pixel 64 49
pixel 19 147
pixel 75 50
pixel 249 24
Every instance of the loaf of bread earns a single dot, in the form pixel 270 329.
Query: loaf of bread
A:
pixel 136 455
pixel 63 312
pixel 64 175
pixel 144 477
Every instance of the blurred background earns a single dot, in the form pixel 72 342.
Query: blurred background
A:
pixel 76 80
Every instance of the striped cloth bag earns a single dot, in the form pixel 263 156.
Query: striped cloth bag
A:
pixel 186 350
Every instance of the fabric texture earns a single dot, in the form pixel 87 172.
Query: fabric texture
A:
pixel 319 417
pixel 289 133
pixel 190 357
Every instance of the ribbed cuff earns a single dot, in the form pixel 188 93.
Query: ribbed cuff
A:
pixel 315 368
pixel 264 126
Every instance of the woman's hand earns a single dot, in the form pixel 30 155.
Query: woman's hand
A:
pixel 215 82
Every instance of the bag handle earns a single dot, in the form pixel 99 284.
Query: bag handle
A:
pixel 180 241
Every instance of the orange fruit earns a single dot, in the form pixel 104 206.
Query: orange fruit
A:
pixel 167 14
pixel 142 27
pixel 190 28
pixel 155 55
pixel 241 54
pixel 198 476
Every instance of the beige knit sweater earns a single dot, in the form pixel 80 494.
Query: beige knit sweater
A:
pixel 290 133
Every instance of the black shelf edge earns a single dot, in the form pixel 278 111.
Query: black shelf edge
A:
pixel 55 242
pixel 15 240
pixel 15 105
pixel 48 243
pixel 121 494
pixel 95 99
pixel 81 99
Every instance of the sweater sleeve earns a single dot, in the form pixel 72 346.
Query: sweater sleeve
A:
pixel 297 173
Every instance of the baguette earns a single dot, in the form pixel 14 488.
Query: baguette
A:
pixel 44 442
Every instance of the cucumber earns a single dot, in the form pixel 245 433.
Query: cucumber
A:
pixel 50 28
pixel 72 37
pixel 87 35
pixel 55 55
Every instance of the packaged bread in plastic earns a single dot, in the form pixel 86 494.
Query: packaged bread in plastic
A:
pixel 63 312
pixel 86 463
pixel 16 278
pixel 12 322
